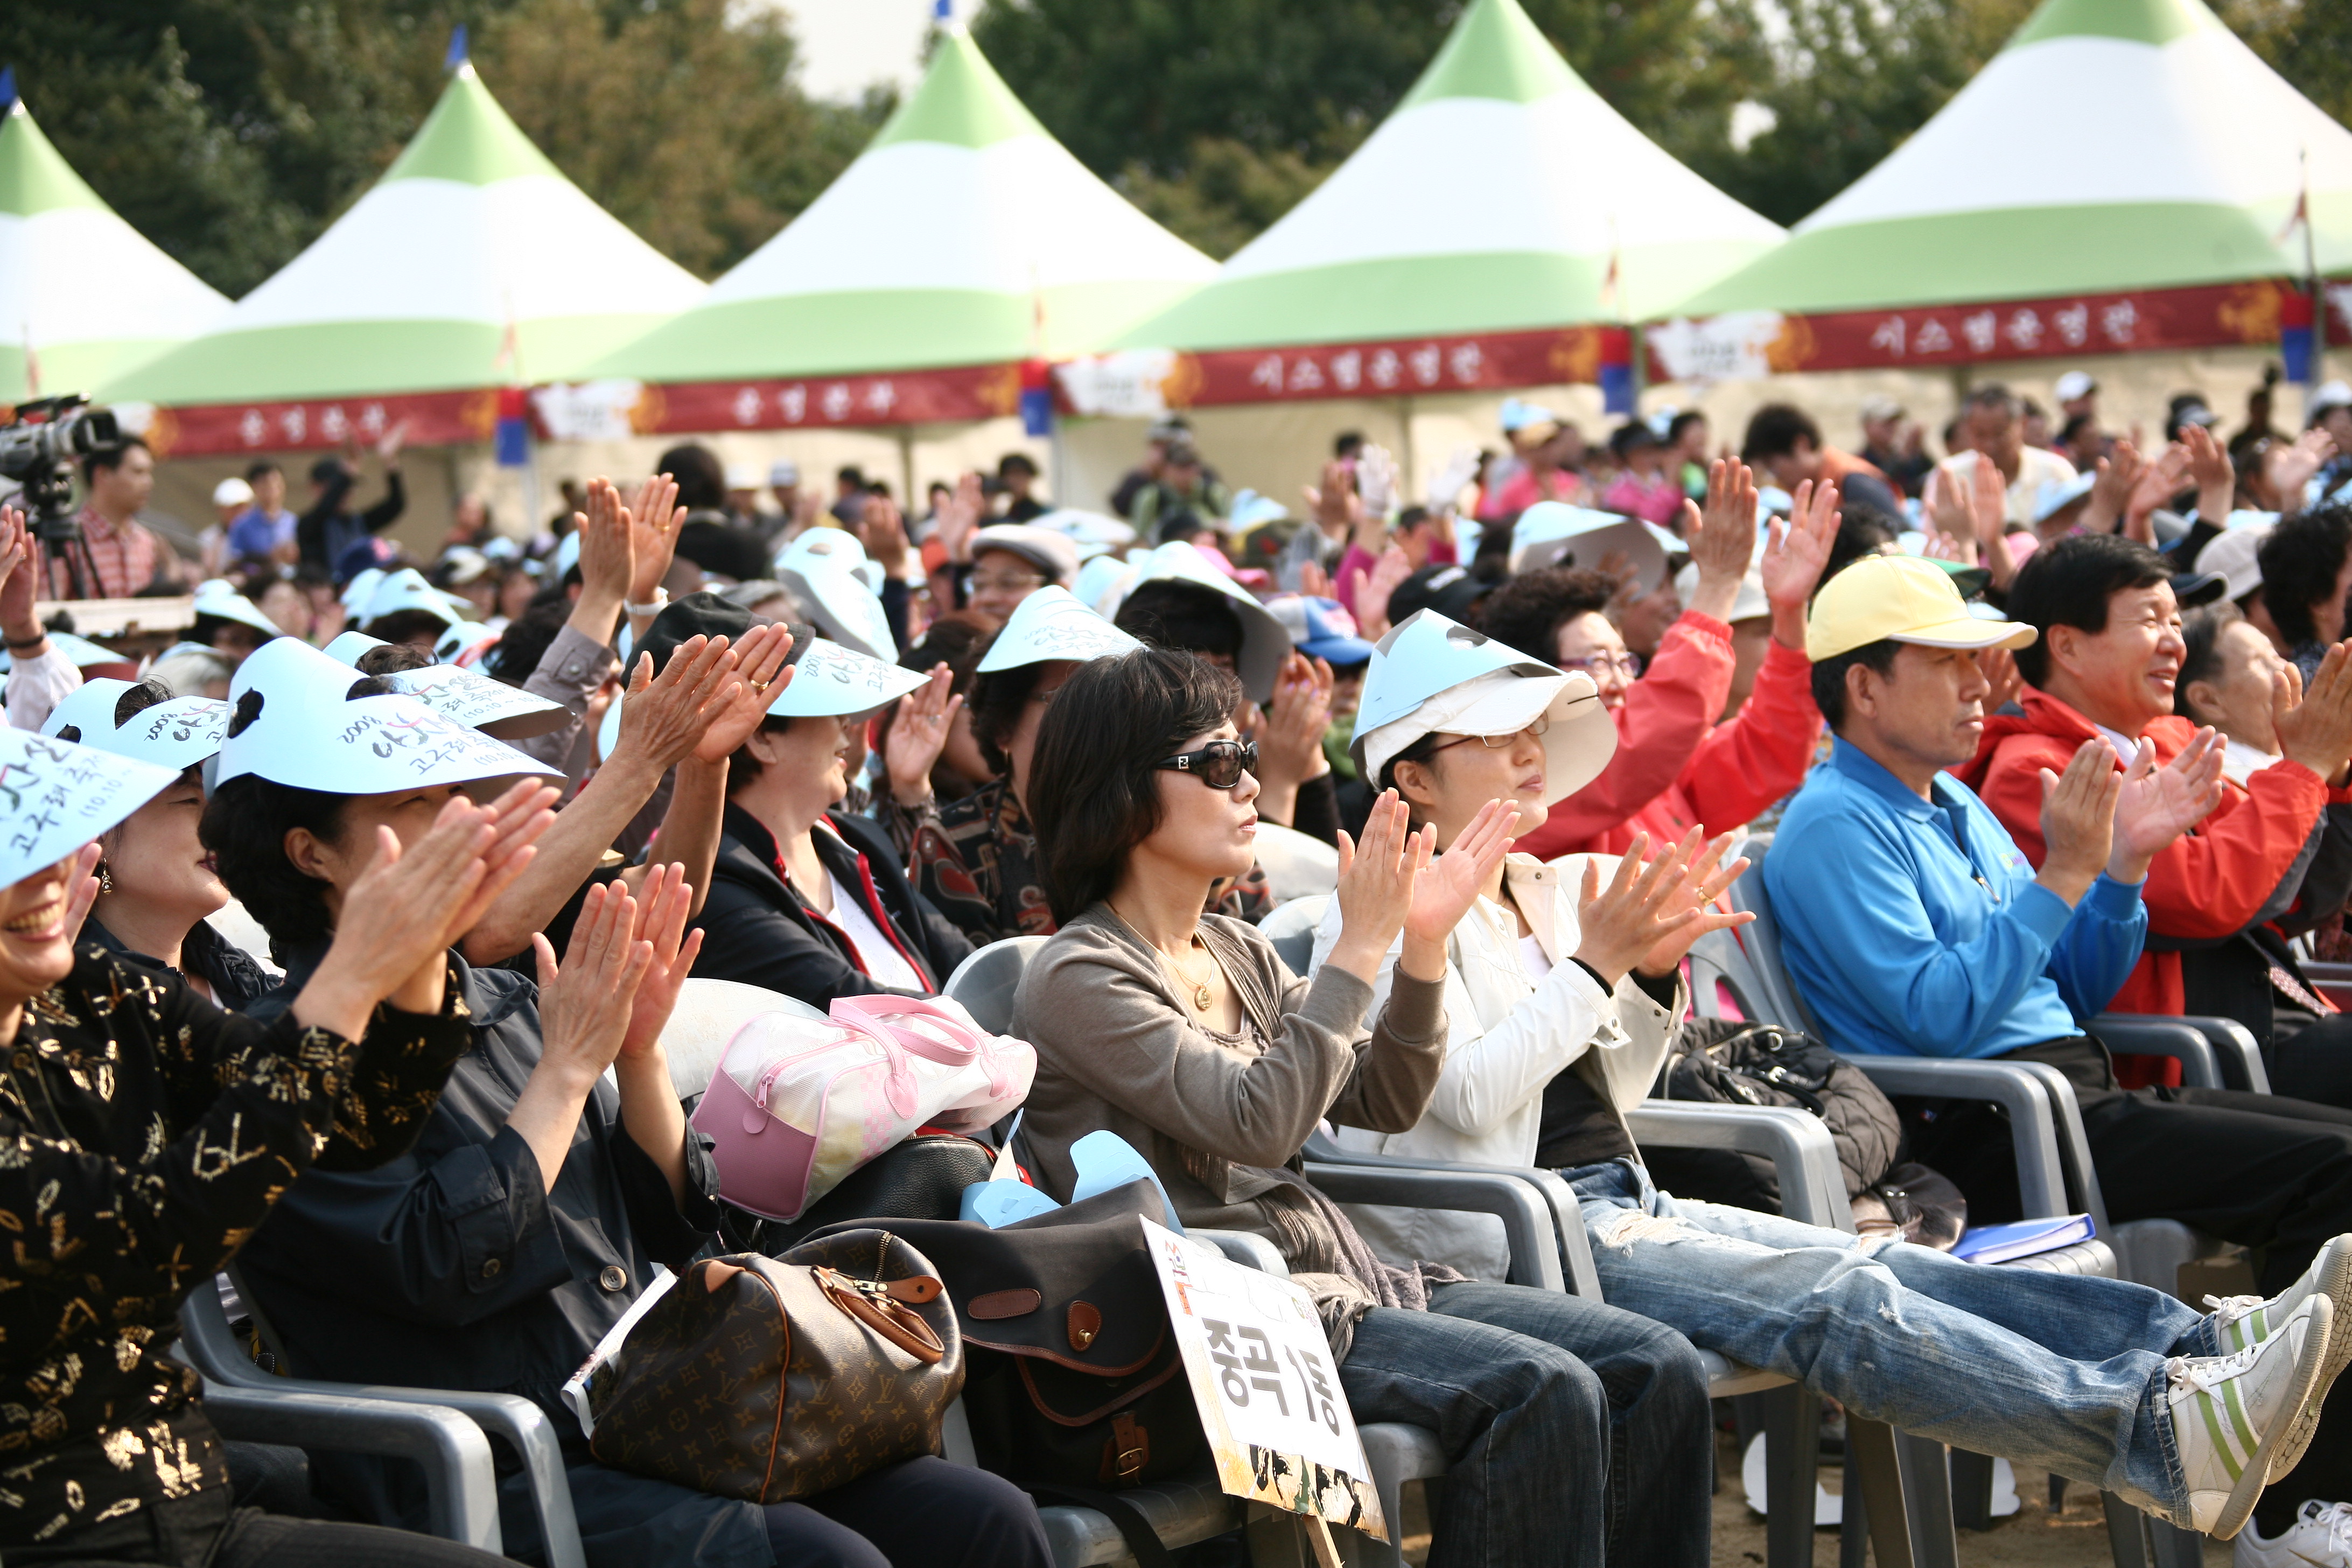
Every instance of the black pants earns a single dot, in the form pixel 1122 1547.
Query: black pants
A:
pixel 206 1530
pixel 2310 1057
pixel 2262 1170
pixel 924 1513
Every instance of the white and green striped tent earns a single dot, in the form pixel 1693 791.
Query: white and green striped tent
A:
pixel 470 235
pixel 941 246
pixel 81 292
pixel 1493 199
pixel 2112 146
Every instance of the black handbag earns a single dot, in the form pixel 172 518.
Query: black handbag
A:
pixel 1073 1375
pixel 922 1178
pixel 1730 1063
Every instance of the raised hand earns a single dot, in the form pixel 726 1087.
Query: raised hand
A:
pixel 885 530
pixel 20 583
pixel 2078 820
pixel 81 890
pixel 1705 881
pixel 653 521
pixel 2157 806
pixel 2111 491
pixel 1455 879
pixel 960 516
pixel 1337 507
pixel 666 715
pixel 2216 475
pixel 2158 483
pixel 1722 537
pixel 607 552
pixel 759 659
pixel 2314 726
pixel 919 735
pixel 1999 667
pixel 1375 891
pixel 1643 905
pixel 1794 558
pixel 2289 468
pixel 664 905
pixel 388 448
pixel 1290 741
pixel 1988 514
pixel 517 820
pixel 586 1006
pixel 1388 574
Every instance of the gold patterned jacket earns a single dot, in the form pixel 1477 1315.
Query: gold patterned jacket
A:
pixel 144 1135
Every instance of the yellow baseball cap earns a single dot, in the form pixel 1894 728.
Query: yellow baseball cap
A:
pixel 1902 598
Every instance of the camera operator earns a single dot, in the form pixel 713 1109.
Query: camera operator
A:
pixel 125 556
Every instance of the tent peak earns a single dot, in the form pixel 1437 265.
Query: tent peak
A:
pixel 1494 51
pixel 34 175
pixel 2155 22
pixel 960 102
pixel 469 138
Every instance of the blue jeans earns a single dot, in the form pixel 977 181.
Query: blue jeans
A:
pixel 2053 1370
pixel 1575 1435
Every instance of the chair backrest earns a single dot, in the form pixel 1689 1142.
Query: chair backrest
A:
pixel 1291 927
pixel 1750 962
pixel 985 982
pixel 1295 864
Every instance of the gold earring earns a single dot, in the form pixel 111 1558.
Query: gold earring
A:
pixel 105 878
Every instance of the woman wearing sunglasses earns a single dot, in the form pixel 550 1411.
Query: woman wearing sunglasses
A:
pixel 1185 1035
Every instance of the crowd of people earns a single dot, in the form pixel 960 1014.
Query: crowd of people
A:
pixel 2054 725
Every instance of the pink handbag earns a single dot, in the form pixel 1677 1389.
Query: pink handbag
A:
pixel 801 1099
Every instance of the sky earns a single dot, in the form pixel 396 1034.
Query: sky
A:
pixel 847 45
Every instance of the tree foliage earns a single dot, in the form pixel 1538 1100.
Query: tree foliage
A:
pixel 232 131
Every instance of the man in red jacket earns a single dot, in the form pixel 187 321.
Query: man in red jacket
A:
pixel 2105 663
pixel 1676 767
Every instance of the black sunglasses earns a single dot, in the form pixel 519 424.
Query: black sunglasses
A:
pixel 1220 764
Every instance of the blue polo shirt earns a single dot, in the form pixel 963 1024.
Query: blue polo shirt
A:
pixel 1916 928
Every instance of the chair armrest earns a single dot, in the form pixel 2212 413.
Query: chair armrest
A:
pixel 2017 1088
pixel 2234 1047
pixel 1567 1213
pixel 455 1458
pixel 1249 1251
pixel 1812 1183
pixel 208 1344
pixel 1528 1221
pixel 2150 1035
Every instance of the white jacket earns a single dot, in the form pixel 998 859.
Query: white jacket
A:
pixel 1508 1037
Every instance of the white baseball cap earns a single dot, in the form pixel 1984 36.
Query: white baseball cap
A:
pixel 2075 384
pixel 232 491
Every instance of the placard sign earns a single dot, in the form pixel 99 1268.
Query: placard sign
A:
pixel 1263 1379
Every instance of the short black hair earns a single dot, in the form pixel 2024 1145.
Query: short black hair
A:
pixel 995 703
pixel 1095 794
pixel 2300 562
pixel 137 699
pixel 1528 612
pixel 2074 426
pixel 702 477
pixel 1861 531
pixel 852 475
pixel 515 655
pixel 2068 584
pixel 1994 396
pixel 1187 615
pixel 111 457
pixel 392 658
pixel 1682 422
pixel 1774 430
pixel 1346 444
pixel 255 470
pixel 244 826
pixel 1013 460
pixel 401 626
pixel 1828 676
pixel 2201 630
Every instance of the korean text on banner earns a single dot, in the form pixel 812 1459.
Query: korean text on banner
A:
pixel 1262 1375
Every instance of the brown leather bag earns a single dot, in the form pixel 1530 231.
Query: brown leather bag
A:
pixel 774 1378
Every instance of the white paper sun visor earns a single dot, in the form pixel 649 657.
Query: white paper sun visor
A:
pixel 224 603
pixel 293 722
pixel 1050 625
pixel 500 711
pixel 56 796
pixel 360 589
pixel 830 680
pixel 1089 531
pixel 177 734
pixel 1265 643
pixel 1431 675
pixel 1552 533
pixel 406 589
pixel 82 653
pixel 840 603
pixel 833 546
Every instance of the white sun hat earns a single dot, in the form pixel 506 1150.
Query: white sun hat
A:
pixel 501 712
pixel 839 602
pixel 360 589
pixel 1266 641
pixel 1431 675
pixel 406 589
pixel 1051 624
pixel 1050 549
pixel 830 680
pixel 1553 534
pixel 463 637
pixel 177 734
pixel 836 546
pixel 219 599
pixel 293 721
pixel 82 653
pixel 56 796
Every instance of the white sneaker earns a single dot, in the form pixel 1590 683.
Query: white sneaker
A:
pixel 2231 1412
pixel 2244 1320
pixel 2320 1537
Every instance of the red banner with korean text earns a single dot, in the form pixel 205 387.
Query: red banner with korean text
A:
pixel 910 397
pixel 434 420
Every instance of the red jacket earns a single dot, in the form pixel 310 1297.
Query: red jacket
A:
pixel 2208 884
pixel 1715 775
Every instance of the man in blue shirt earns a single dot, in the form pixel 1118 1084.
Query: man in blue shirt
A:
pixel 1913 925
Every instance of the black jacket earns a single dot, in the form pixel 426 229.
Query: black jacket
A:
pixel 237 980
pixel 324 533
pixel 454 1266
pixel 758 930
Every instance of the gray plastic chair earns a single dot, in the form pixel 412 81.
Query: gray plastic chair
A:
pixel 987 979
pixel 1291 927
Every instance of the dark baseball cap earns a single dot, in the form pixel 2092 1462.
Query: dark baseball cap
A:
pixel 706 615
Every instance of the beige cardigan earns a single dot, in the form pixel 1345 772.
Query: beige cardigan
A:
pixel 1117 1049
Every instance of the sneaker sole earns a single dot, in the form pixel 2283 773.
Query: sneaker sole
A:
pixel 2335 1281
pixel 2316 1341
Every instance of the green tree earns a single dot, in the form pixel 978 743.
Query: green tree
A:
pixel 2309 42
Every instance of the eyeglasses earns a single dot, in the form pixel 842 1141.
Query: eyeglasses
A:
pixel 1001 582
pixel 1541 726
pixel 1628 665
pixel 1220 764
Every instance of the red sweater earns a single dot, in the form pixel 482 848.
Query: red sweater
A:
pixel 2207 884
pixel 1716 776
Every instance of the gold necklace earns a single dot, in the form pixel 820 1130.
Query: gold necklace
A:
pixel 1203 999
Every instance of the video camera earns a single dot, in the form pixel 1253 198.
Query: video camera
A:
pixel 38 448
